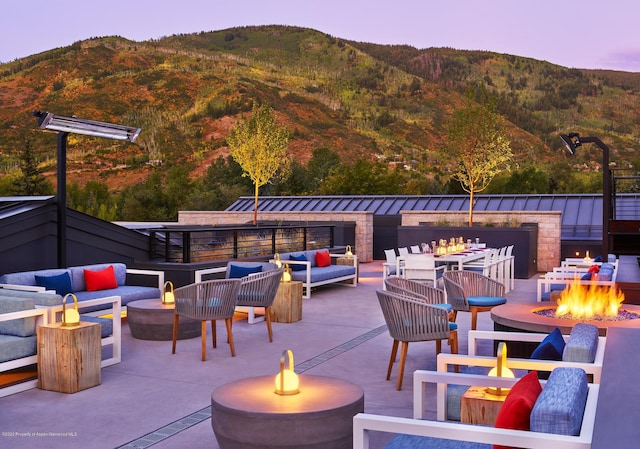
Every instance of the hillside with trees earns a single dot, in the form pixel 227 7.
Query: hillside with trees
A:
pixel 360 116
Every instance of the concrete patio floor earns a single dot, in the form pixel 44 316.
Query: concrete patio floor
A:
pixel 156 399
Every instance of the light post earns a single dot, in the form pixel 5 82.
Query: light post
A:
pixel 66 125
pixel 571 142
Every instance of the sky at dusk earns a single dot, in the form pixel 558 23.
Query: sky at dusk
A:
pixel 571 33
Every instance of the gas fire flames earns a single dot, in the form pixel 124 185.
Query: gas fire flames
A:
pixel 583 302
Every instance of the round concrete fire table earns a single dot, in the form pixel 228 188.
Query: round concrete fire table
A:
pixel 248 413
pixel 149 319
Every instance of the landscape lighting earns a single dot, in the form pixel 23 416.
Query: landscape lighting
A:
pixel 56 122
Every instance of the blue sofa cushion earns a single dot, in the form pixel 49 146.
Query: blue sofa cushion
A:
pixel 60 283
pixel 582 344
pixel 29 277
pixel 298 258
pixel 551 347
pixel 560 406
pixel 106 325
pixel 12 347
pixel 39 298
pixel 127 294
pixel 318 274
pixel 484 301
pixel 22 327
pixel 403 441
pixel 237 271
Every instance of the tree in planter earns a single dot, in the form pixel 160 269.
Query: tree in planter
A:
pixel 477 148
pixel 259 146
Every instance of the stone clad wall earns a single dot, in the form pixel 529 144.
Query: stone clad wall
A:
pixel 363 221
pixel 549 224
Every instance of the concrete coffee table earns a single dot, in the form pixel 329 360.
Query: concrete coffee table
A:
pixel 248 413
pixel 149 319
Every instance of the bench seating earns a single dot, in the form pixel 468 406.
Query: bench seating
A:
pixel 311 275
pixel 562 417
pixel 558 280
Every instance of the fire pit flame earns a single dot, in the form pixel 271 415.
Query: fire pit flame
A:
pixel 589 301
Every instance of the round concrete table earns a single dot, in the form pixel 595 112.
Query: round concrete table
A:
pixel 149 319
pixel 248 413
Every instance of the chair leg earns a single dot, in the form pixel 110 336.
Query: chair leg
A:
pixel 203 334
pixel 394 351
pixel 474 319
pixel 267 318
pixel 175 332
pixel 438 347
pixel 214 335
pixel 453 343
pixel 403 359
pixel 227 322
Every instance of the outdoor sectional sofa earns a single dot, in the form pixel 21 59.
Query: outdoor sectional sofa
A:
pixel 561 277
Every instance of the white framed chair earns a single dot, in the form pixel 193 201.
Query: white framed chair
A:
pixel 403 251
pixel 415 249
pixel 422 267
pixel 390 267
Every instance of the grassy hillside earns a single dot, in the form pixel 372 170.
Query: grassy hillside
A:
pixel 360 100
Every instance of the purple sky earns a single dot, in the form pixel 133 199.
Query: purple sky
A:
pixel 571 33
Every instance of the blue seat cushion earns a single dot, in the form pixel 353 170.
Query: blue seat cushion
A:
pixel 319 274
pixel 127 294
pixel 453 326
pixel 12 347
pixel 403 441
pixel 486 301
pixel 446 306
pixel 551 348
pixel 106 325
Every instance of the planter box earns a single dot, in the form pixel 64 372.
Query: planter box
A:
pixel 524 240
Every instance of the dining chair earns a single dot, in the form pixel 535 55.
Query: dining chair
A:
pixel 403 251
pixel 389 268
pixel 259 290
pixel 410 320
pixel 468 291
pixel 422 267
pixel 419 290
pixel 415 249
pixel 207 301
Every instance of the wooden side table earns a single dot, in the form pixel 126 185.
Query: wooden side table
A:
pixel 477 406
pixel 69 357
pixel 287 307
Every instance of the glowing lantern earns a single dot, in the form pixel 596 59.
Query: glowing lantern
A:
pixel 70 317
pixel 500 370
pixel 287 382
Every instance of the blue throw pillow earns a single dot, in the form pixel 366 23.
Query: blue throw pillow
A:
pixel 236 271
pixel 551 348
pixel 586 277
pixel 61 283
pixel 300 258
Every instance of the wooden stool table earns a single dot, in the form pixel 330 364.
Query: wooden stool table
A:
pixel 287 307
pixel 477 406
pixel 69 357
pixel 349 261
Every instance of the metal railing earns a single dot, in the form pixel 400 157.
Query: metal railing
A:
pixel 206 243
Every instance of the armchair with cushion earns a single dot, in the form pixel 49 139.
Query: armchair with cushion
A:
pixel 468 291
pixel 259 290
pixel 207 301
pixel 410 319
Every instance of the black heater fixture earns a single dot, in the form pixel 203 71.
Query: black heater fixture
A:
pixel 66 125
pixel 572 141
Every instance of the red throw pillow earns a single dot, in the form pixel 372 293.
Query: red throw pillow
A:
pixel 100 280
pixel 323 259
pixel 516 410
pixel 594 269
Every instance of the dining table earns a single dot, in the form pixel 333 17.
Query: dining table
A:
pixel 453 261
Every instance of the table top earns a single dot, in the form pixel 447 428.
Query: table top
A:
pixel 150 304
pixel 257 395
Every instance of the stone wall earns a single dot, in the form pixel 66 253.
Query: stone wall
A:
pixel 363 220
pixel 549 224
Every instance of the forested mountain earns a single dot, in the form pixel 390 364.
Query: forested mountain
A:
pixel 359 101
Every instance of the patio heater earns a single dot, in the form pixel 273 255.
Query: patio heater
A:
pixel 65 125
pixel 572 141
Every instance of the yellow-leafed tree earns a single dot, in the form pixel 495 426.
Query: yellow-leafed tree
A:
pixel 259 145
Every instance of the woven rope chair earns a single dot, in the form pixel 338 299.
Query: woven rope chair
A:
pixel 207 301
pixel 259 290
pixel 408 320
pixel 419 290
pixel 468 291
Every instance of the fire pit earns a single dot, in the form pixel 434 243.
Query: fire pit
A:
pixel 601 306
